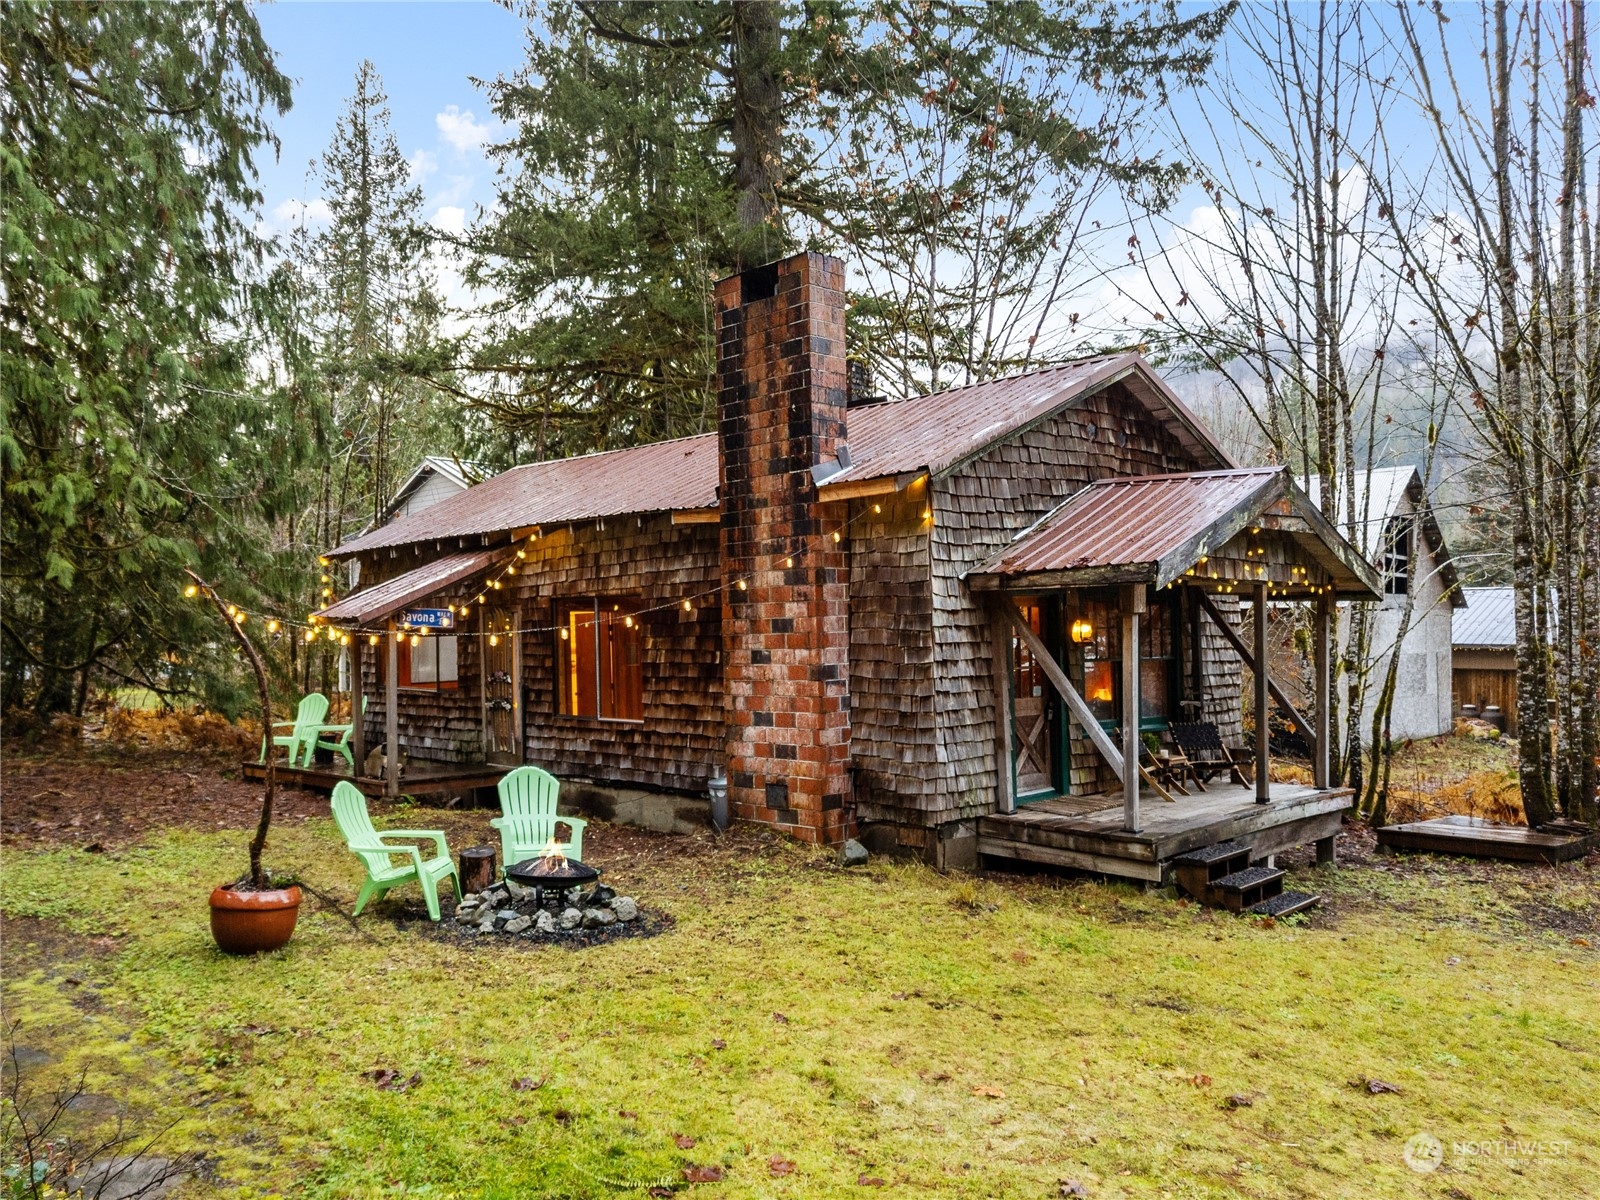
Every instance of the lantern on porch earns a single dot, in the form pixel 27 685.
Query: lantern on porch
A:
pixel 1081 630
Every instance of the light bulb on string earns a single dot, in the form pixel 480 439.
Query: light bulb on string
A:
pixel 327 579
pixel 522 554
pixel 494 639
pixel 688 606
pixel 742 585
pixel 273 626
pixel 415 640
pixel 191 591
pixel 372 639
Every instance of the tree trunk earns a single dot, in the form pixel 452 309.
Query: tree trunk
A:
pixel 757 130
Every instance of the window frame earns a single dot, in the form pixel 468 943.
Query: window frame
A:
pixel 406 683
pixel 613 620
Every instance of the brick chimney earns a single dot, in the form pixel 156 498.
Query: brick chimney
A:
pixel 781 399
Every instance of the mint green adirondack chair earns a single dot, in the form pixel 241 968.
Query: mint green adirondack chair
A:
pixel 337 737
pixel 528 804
pixel 370 846
pixel 303 730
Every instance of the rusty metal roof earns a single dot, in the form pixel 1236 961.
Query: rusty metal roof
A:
pixel 940 431
pixel 934 433
pixel 390 596
pixel 1154 527
pixel 658 477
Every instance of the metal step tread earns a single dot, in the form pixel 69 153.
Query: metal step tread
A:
pixel 1246 879
pixel 1210 854
pixel 1285 903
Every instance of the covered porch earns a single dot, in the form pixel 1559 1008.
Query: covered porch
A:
pixel 1113 645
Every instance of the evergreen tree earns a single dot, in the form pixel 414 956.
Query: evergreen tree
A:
pixel 133 436
pixel 376 313
pixel 953 151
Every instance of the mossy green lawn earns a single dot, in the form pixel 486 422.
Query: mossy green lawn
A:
pixel 944 1035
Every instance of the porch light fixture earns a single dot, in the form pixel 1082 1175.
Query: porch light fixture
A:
pixel 1082 630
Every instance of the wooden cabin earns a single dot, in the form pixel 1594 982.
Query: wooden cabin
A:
pixel 938 623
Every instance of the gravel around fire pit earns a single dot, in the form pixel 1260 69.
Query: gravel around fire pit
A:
pixel 507 913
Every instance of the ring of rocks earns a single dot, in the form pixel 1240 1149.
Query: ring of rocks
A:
pixel 508 914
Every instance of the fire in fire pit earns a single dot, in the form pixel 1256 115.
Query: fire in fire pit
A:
pixel 552 870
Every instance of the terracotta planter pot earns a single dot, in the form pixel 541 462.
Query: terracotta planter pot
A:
pixel 250 922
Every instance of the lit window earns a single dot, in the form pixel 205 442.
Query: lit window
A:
pixel 598 644
pixel 430 665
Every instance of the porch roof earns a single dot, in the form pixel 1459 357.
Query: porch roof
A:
pixel 1160 529
pixel 383 599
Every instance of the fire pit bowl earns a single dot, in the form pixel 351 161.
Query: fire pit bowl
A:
pixel 554 876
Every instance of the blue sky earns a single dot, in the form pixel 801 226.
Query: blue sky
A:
pixel 425 52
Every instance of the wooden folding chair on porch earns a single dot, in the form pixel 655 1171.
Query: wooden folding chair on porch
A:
pixel 1201 743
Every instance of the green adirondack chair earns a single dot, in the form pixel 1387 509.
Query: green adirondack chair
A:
pixel 528 804
pixel 369 845
pixel 337 737
pixel 303 730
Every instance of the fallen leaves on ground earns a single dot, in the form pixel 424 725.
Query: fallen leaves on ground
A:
pixel 389 1079
pixel 992 1092
pixel 718 1044
pixel 780 1018
pixel 1375 1087
pixel 527 1085
pixel 1200 1080
pixel 1071 1187
pixel 684 1141
pixel 869 1181
pixel 702 1174
pixel 1239 1101
pixel 778 1166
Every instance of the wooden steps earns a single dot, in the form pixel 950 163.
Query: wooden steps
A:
pixel 1220 876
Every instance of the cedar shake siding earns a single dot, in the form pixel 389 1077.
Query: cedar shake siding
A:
pixel 644 559
pixel 946 765
pixel 781 408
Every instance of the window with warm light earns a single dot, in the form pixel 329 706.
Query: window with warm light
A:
pixel 428 665
pixel 599 659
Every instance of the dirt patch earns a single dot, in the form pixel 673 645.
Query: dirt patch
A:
pixel 105 799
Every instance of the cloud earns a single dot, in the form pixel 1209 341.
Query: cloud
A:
pixel 292 212
pixel 461 129
pixel 423 163
pixel 449 219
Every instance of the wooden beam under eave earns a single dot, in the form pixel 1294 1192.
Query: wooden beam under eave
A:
pixel 1049 581
pixel 854 489
pixel 696 516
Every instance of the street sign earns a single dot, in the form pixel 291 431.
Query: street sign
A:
pixel 428 618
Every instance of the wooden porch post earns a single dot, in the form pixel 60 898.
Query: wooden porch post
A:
pixel 1263 758
pixel 1132 605
pixel 391 715
pixel 1005 780
pixel 358 726
pixel 1322 637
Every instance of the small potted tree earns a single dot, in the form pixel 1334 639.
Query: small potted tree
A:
pixel 249 915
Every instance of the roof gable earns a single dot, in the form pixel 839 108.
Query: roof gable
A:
pixel 1156 528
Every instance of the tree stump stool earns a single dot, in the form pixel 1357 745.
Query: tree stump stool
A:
pixel 477 868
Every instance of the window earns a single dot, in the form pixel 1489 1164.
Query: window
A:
pixel 1155 665
pixel 598 645
pixel 1102 657
pixel 1397 562
pixel 430 665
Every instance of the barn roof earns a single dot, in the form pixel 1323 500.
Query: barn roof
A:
pixel 1489 621
pixel 935 433
pixel 1154 528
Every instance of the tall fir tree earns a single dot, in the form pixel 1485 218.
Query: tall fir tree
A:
pixel 953 152
pixel 135 438
pixel 375 315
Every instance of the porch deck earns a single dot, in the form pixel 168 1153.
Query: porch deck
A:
pixel 1085 832
pixel 419 778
